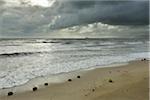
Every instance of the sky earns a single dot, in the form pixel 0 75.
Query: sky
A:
pixel 74 18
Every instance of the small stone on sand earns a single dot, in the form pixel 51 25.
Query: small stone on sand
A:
pixel 10 93
pixel 69 80
pixel 46 84
pixel 78 77
pixel 110 81
pixel 35 88
pixel 93 90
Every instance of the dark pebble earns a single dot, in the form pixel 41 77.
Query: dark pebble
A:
pixel 10 93
pixel 93 90
pixel 69 80
pixel 35 88
pixel 78 76
pixel 110 81
pixel 46 84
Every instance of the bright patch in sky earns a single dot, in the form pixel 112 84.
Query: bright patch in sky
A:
pixel 42 3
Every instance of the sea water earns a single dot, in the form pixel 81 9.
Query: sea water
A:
pixel 24 59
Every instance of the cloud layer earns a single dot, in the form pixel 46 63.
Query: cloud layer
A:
pixel 29 18
pixel 99 30
pixel 109 12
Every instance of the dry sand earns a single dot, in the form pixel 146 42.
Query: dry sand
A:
pixel 129 82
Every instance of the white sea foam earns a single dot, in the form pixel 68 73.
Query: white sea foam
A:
pixel 133 42
pixel 65 56
pixel 23 74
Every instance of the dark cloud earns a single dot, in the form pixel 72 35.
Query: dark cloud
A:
pixel 2 2
pixel 31 20
pixel 81 4
pixel 109 12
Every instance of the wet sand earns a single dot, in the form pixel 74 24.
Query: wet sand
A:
pixel 126 82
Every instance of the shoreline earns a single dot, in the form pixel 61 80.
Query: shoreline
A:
pixel 24 74
pixel 55 78
pixel 104 72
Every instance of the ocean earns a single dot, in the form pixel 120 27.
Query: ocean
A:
pixel 24 59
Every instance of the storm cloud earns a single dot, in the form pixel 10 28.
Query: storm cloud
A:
pixel 23 19
pixel 108 12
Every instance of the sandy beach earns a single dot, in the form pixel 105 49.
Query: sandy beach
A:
pixel 126 82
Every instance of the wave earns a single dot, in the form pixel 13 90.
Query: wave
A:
pixel 22 75
pixel 18 54
pixel 132 43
